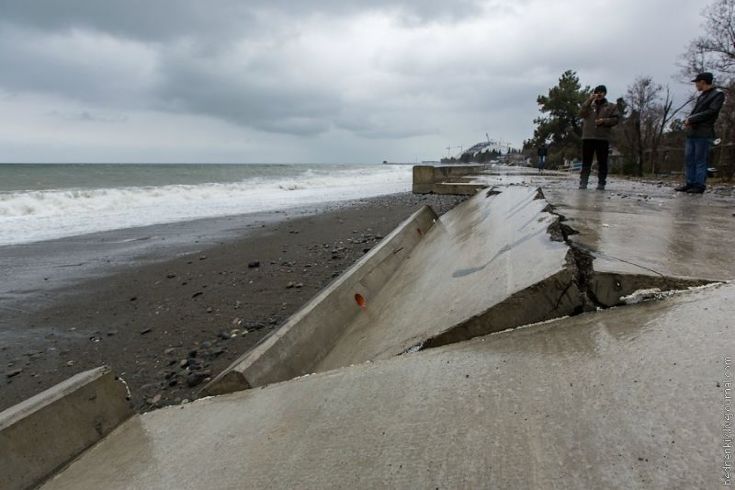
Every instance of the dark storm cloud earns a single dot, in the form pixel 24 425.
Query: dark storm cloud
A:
pixel 163 19
pixel 249 96
pixel 144 19
pixel 80 65
pixel 257 93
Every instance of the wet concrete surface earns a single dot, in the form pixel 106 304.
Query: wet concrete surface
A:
pixel 642 228
pixel 629 397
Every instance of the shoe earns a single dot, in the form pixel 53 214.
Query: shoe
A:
pixel 683 188
pixel 582 186
pixel 695 190
pixel 600 187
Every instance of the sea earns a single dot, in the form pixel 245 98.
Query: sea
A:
pixel 40 202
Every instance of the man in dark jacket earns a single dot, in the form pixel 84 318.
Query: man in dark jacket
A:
pixel 598 117
pixel 700 127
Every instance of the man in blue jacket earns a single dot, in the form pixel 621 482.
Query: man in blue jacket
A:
pixel 700 126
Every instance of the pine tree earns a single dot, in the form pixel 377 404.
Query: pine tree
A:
pixel 560 124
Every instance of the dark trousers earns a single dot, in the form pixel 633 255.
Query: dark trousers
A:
pixel 595 148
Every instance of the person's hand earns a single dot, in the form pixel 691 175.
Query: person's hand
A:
pixel 686 123
pixel 599 122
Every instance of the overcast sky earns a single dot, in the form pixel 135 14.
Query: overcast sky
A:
pixel 308 81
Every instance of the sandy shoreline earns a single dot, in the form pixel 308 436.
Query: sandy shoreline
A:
pixel 166 325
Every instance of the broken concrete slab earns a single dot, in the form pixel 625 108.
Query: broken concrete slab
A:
pixel 494 262
pixel 607 282
pixel 303 341
pixel 630 397
pixel 43 433
pixel 664 241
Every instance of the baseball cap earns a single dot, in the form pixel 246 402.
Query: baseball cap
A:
pixel 705 77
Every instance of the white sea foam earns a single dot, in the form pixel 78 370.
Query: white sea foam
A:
pixel 28 216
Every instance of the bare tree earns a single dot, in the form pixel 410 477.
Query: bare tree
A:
pixel 642 99
pixel 715 49
pixel 666 113
pixel 651 112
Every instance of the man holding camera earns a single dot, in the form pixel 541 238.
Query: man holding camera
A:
pixel 700 126
pixel 598 118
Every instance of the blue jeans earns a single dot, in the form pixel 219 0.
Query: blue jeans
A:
pixel 541 162
pixel 697 160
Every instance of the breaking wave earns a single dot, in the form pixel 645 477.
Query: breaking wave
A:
pixel 35 215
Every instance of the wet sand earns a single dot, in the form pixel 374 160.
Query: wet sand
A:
pixel 167 318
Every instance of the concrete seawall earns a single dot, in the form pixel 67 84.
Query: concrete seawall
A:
pixel 40 435
pixel 308 336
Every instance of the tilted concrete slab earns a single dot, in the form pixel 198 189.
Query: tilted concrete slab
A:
pixel 489 264
pixel 494 262
pixel 303 341
pixel 630 397
pixel 48 430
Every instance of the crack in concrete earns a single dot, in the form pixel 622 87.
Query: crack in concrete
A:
pixel 582 262
pixel 564 293
pixel 590 281
pixel 595 290
pixel 629 263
